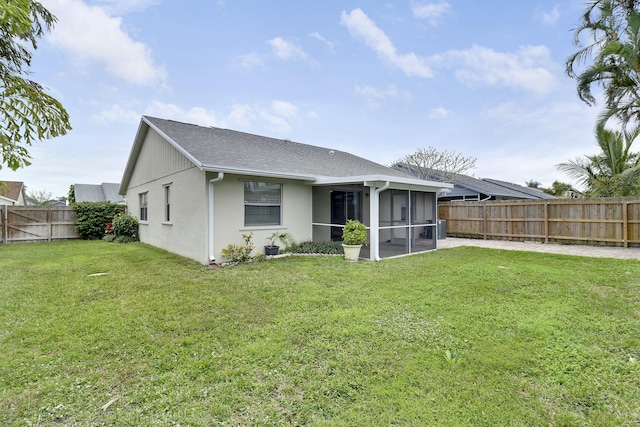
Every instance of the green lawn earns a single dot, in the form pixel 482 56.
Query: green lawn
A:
pixel 464 336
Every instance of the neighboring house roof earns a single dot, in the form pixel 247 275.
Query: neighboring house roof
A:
pixel 532 192
pixel 467 186
pixel 105 192
pixel 223 150
pixel 12 192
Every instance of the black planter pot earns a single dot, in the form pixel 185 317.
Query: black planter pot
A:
pixel 271 250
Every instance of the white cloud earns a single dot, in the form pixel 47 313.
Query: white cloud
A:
pixel 92 35
pixel 196 115
pixel 376 96
pixel 117 7
pixel 549 17
pixel 117 114
pixel 330 45
pixel 431 11
pixel 275 122
pixel 284 109
pixel 277 117
pixel 251 60
pixel 286 50
pixel 241 114
pixel 439 113
pixel 360 26
pixel 530 68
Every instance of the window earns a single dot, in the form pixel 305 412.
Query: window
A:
pixel 262 203
pixel 143 206
pixel 167 203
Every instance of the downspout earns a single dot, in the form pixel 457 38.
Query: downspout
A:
pixel 374 229
pixel 220 177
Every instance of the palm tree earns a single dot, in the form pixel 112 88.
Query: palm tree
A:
pixel 616 67
pixel 614 172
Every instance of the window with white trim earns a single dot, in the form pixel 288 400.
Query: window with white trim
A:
pixel 143 206
pixel 167 203
pixel 262 203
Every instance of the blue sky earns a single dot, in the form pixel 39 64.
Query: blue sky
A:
pixel 378 79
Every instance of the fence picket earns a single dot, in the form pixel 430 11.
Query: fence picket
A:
pixel 612 221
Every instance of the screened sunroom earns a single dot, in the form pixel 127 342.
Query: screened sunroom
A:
pixel 400 214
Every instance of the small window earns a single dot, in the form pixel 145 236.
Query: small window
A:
pixel 167 203
pixel 143 206
pixel 262 203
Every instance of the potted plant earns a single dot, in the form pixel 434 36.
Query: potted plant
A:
pixel 271 248
pixel 354 235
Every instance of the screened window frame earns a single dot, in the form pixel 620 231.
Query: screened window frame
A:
pixel 258 203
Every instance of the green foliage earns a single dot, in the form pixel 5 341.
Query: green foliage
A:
pixel 239 253
pixel 354 233
pixel 326 248
pixel 92 218
pixel 40 198
pixel 125 228
pixel 72 194
pixel 28 114
pixel 455 337
pixel 614 171
pixel 285 238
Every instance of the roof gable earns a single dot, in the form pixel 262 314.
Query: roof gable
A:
pixel 215 149
pixel 11 190
pixel 211 147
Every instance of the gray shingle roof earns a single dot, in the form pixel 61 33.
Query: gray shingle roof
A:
pixel 532 192
pixel 213 148
pixel 465 185
pixel 105 192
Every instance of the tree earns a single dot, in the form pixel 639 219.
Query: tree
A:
pixel 614 46
pixel 27 113
pixel 533 184
pixel 614 172
pixel 40 198
pixel 561 189
pixel 425 161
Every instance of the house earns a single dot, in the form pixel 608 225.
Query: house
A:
pixel 467 188
pixel 197 189
pixel 105 192
pixel 12 193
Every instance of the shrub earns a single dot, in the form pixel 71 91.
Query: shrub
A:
pixel 354 233
pixel 125 228
pixel 239 253
pixel 326 248
pixel 92 218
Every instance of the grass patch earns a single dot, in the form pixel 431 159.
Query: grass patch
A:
pixel 93 333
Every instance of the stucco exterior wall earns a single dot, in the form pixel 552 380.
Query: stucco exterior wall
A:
pixel 229 213
pixel 160 165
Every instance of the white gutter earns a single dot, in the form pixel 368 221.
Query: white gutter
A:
pixel 220 177
pixel 374 228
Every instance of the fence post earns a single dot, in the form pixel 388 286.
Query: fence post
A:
pixel 625 224
pixel 484 220
pixel 546 221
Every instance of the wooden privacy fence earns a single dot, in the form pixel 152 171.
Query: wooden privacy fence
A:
pixel 611 222
pixel 37 224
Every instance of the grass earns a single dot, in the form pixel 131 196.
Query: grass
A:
pixel 93 333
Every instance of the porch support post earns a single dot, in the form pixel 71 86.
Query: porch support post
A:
pixel 374 219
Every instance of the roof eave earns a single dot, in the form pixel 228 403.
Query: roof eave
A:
pixel 257 172
pixel 379 180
